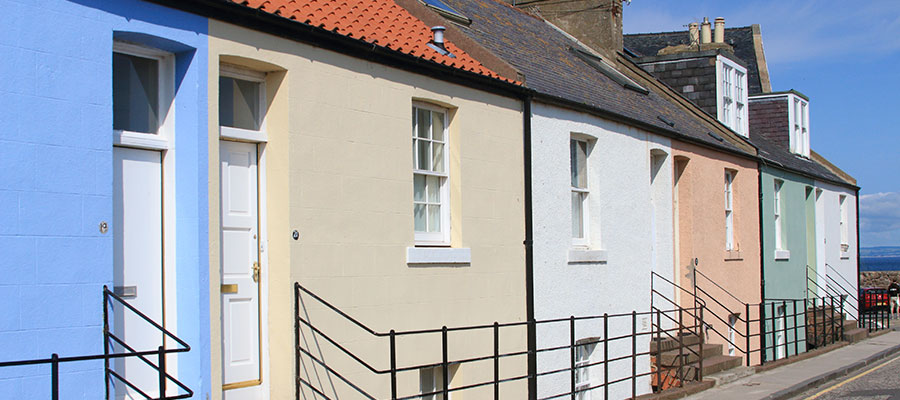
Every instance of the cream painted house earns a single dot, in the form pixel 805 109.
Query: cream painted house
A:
pixel 395 196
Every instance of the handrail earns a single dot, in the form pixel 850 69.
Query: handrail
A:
pixel 718 286
pixel 302 318
pixel 654 274
pixel 839 274
pixel 161 353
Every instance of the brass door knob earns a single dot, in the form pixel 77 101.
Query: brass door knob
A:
pixel 256 272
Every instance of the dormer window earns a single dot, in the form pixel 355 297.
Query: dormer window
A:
pixel 798 115
pixel 732 95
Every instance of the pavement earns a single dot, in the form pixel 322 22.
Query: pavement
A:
pixel 878 382
pixel 793 379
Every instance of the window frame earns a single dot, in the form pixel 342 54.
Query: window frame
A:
pixel 583 193
pixel 732 95
pixel 778 212
pixel 798 120
pixel 160 139
pixel 237 72
pixel 729 209
pixel 844 223
pixel 584 351
pixel 442 237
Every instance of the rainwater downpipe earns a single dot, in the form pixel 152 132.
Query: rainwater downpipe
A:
pixel 762 253
pixel 529 252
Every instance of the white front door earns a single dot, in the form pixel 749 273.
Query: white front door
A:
pixel 138 262
pixel 240 271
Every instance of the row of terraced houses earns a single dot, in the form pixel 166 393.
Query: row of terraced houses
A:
pixel 431 199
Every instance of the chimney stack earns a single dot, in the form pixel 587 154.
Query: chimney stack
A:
pixel 720 30
pixel 599 25
pixel 705 34
pixel 694 34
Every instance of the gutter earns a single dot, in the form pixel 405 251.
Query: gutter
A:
pixel 608 115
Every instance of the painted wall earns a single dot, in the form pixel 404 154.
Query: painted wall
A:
pixel 700 198
pixel 56 185
pixel 837 270
pixel 785 278
pixel 621 223
pixel 344 171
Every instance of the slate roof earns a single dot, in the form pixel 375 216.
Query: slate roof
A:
pixel 379 22
pixel 741 39
pixel 783 158
pixel 541 53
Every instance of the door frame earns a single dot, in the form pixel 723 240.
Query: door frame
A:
pixel 163 141
pixel 262 250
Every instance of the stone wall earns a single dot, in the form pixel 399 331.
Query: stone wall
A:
pixel 878 279
pixel 694 78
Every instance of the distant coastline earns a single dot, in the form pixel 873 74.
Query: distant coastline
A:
pixel 881 258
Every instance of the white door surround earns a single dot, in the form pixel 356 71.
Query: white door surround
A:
pixel 242 270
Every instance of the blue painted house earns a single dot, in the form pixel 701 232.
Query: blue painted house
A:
pixel 102 128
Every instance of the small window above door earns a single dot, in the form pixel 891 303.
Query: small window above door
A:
pixel 242 103
pixel 143 95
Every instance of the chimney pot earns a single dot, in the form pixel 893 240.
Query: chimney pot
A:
pixel 720 30
pixel 694 33
pixel 705 33
pixel 438 32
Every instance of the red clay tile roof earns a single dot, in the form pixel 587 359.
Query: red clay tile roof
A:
pixel 379 22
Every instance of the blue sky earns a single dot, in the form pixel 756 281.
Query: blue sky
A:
pixel 846 57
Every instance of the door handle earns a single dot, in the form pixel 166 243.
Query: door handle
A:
pixel 229 289
pixel 256 272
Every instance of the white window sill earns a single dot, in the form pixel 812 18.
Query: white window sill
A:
pixel 733 255
pixel 585 256
pixel 782 255
pixel 438 256
pixel 845 255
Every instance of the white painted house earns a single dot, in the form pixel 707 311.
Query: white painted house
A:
pixel 836 243
pixel 602 220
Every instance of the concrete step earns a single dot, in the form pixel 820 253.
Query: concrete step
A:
pixel 730 375
pixel 856 334
pixel 720 363
pixel 671 357
pixel 668 343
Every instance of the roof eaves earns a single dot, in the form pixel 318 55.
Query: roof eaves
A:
pixel 292 29
pixel 831 167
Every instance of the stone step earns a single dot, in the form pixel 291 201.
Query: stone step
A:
pixel 856 334
pixel 730 375
pixel 671 357
pixel 668 343
pixel 711 366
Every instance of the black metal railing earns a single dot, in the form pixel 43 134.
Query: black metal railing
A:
pixel 625 352
pixel 111 376
pixel 833 288
pixel 875 310
pixel 760 332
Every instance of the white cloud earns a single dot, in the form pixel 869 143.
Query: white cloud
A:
pixel 811 30
pixel 879 219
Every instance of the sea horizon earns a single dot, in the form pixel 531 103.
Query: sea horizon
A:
pixel 879 263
